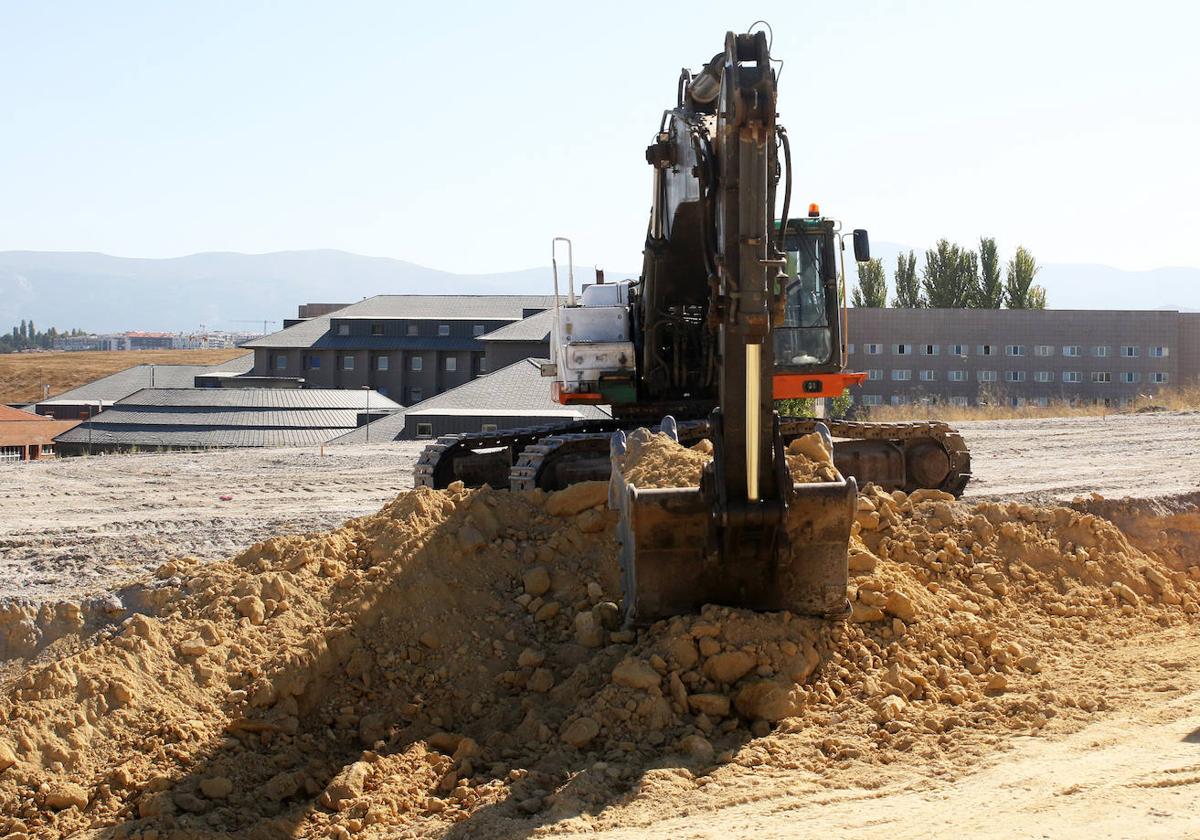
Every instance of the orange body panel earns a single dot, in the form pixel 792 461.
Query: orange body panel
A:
pixel 791 385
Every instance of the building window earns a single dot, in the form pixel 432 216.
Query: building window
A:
pixel 280 361
pixel 958 376
pixel 347 363
pixel 1130 377
pixel 416 363
pixel 1159 352
pixel 849 349
pixel 483 364
pixel 451 363
pixel 381 363
pixel 415 395
pixel 871 349
pixel 1043 350
pixel 1100 352
pixel 1043 376
pixel 343 329
pixel 901 375
pixel 1016 402
pixel 902 349
pixel 1129 351
pixel 424 430
pixel 928 375
pixel 477 331
pixel 443 329
pixel 1071 350
pixel 986 376
pixel 899 399
pixel 1158 378
pixel 961 402
pixel 314 362
pixel 1015 350
pixel 1101 376
pixel 958 350
pixel 872 399
pixel 1014 376
pixel 874 374
pixel 487 427
pixel 929 349
pixel 413 329
pixel 1072 376
pixel 377 329
pixel 985 349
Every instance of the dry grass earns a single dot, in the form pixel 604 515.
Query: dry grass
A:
pixel 1185 398
pixel 23 375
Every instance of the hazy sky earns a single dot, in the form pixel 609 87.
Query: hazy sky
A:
pixel 464 135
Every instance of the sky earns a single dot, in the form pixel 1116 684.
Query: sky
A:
pixel 463 136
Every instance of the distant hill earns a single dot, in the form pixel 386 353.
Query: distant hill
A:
pixel 101 293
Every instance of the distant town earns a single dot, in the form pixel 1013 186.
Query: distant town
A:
pixel 26 338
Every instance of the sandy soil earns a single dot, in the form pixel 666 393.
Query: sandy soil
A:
pixel 23 375
pixel 1134 773
pixel 78 526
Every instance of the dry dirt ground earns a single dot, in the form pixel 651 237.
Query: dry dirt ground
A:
pixel 84 526
pixel 23 375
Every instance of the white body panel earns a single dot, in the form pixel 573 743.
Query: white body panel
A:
pixel 592 338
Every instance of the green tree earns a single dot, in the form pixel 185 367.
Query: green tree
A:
pixel 871 290
pixel 908 290
pixel 948 277
pixel 24 331
pixel 991 284
pixel 795 407
pixel 1019 291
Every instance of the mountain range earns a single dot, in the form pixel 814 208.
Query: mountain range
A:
pixel 230 291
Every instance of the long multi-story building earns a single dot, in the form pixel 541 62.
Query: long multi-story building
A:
pixel 407 347
pixel 1019 357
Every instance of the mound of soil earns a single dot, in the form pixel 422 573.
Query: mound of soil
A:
pixel 453 665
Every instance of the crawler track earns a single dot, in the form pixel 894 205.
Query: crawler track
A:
pixel 553 456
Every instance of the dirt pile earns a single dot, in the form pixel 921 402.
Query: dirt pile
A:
pixel 456 659
pixel 655 460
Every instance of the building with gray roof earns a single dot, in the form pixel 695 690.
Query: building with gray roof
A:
pixel 89 399
pixel 525 339
pixel 512 397
pixel 209 418
pixel 408 347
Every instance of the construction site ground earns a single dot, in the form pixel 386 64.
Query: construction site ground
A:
pixel 1128 766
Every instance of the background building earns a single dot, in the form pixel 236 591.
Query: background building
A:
pixel 408 347
pixel 209 418
pixel 1021 356
pixel 28 437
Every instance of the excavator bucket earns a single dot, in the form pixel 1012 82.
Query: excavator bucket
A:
pixel 673 561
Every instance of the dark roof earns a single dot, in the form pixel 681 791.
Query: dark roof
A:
pixel 382 430
pixel 123 383
pixel 534 328
pixel 448 307
pixel 518 390
pixel 204 418
pixel 259 398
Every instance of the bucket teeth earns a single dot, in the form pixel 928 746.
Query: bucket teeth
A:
pixel 669 428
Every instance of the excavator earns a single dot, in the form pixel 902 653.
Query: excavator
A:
pixel 734 309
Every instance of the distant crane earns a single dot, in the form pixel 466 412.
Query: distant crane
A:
pixel 264 323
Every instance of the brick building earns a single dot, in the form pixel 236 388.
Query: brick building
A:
pixel 1018 357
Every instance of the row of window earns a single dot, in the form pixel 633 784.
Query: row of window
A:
pixel 1015 402
pixel 313 362
pixel 414 329
pixel 1072 376
pixel 1126 351
pixel 425 430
